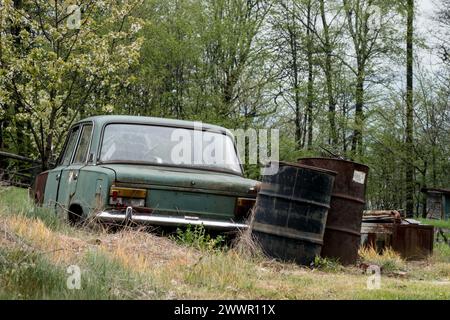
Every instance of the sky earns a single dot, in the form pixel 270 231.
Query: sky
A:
pixel 428 28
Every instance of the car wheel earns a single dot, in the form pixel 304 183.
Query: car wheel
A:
pixel 75 215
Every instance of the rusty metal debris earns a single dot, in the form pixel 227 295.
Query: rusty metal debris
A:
pixel 387 229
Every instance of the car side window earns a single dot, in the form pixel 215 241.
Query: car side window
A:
pixel 70 147
pixel 83 146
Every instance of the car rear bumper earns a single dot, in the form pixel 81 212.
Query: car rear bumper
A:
pixel 128 216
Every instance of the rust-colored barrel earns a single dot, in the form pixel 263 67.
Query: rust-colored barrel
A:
pixel 291 212
pixel 343 229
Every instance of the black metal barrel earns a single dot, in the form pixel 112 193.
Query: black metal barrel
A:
pixel 343 230
pixel 291 212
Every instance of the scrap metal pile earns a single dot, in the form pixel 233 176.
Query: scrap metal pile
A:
pixel 410 238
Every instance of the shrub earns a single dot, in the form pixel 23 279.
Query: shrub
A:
pixel 325 264
pixel 388 260
pixel 198 238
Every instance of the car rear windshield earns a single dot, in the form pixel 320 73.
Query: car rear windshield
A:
pixel 134 143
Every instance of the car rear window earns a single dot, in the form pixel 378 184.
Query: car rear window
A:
pixel 170 146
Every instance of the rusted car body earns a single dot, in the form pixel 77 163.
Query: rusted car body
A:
pixel 121 168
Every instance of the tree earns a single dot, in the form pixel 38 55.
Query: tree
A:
pixel 409 174
pixel 69 62
pixel 444 19
pixel 369 24
pixel 294 25
pixel 328 70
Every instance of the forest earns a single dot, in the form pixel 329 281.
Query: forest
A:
pixel 348 78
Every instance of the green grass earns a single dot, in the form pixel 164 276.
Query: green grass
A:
pixel 15 201
pixel 328 265
pixel 30 275
pixel 445 224
pixel 191 265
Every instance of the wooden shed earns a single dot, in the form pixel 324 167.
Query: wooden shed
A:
pixel 438 203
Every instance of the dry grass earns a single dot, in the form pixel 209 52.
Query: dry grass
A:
pixel 139 265
pixel 388 260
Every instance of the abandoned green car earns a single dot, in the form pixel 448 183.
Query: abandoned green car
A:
pixel 150 171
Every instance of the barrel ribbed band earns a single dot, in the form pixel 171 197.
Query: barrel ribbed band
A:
pixel 288 233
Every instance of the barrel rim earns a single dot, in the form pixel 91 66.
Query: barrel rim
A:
pixel 304 166
pixel 336 160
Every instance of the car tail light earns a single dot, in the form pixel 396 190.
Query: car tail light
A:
pixel 255 190
pixel 243 207
pixel 127 197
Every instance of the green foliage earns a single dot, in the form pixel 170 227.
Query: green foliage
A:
pixel 198 238
pixel 445 224
pixel 15 201
pixel 441 252
pixel 240 64
pixel 53 73
pixel 327 265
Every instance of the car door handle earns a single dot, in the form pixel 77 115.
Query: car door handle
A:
pixel 58 176
pixel 75 176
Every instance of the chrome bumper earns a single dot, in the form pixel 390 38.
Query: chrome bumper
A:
pixel 167 221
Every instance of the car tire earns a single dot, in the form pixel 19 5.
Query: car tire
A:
pixel 75 215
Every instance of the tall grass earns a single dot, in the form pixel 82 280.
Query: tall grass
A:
pixel 36 249
pixel 15 201
pixel 441 253
pixel 388 260
pixel 31 275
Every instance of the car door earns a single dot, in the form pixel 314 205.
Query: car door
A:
pixel 54 181
pixel 70 173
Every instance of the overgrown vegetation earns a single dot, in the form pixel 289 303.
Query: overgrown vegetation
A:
pixel 327 265
pixel 35 255
pixel 325 73
pixel 15 201
pixel 388 260
pixel 445 224
pixel 198 238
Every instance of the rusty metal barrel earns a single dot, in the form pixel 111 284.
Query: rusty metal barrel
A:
pixel 343 229
pixel 291 212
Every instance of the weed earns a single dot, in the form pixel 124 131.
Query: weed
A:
pixel 388 260
pixel 327 265
pixel 198 238
pixel 441 253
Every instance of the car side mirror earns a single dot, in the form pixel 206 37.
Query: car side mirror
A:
pixel 91 158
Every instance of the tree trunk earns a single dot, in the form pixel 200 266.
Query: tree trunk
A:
pixel 310 94
pixel 410 111
pixel 298 115
pixel 359 113
pixel 333 137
